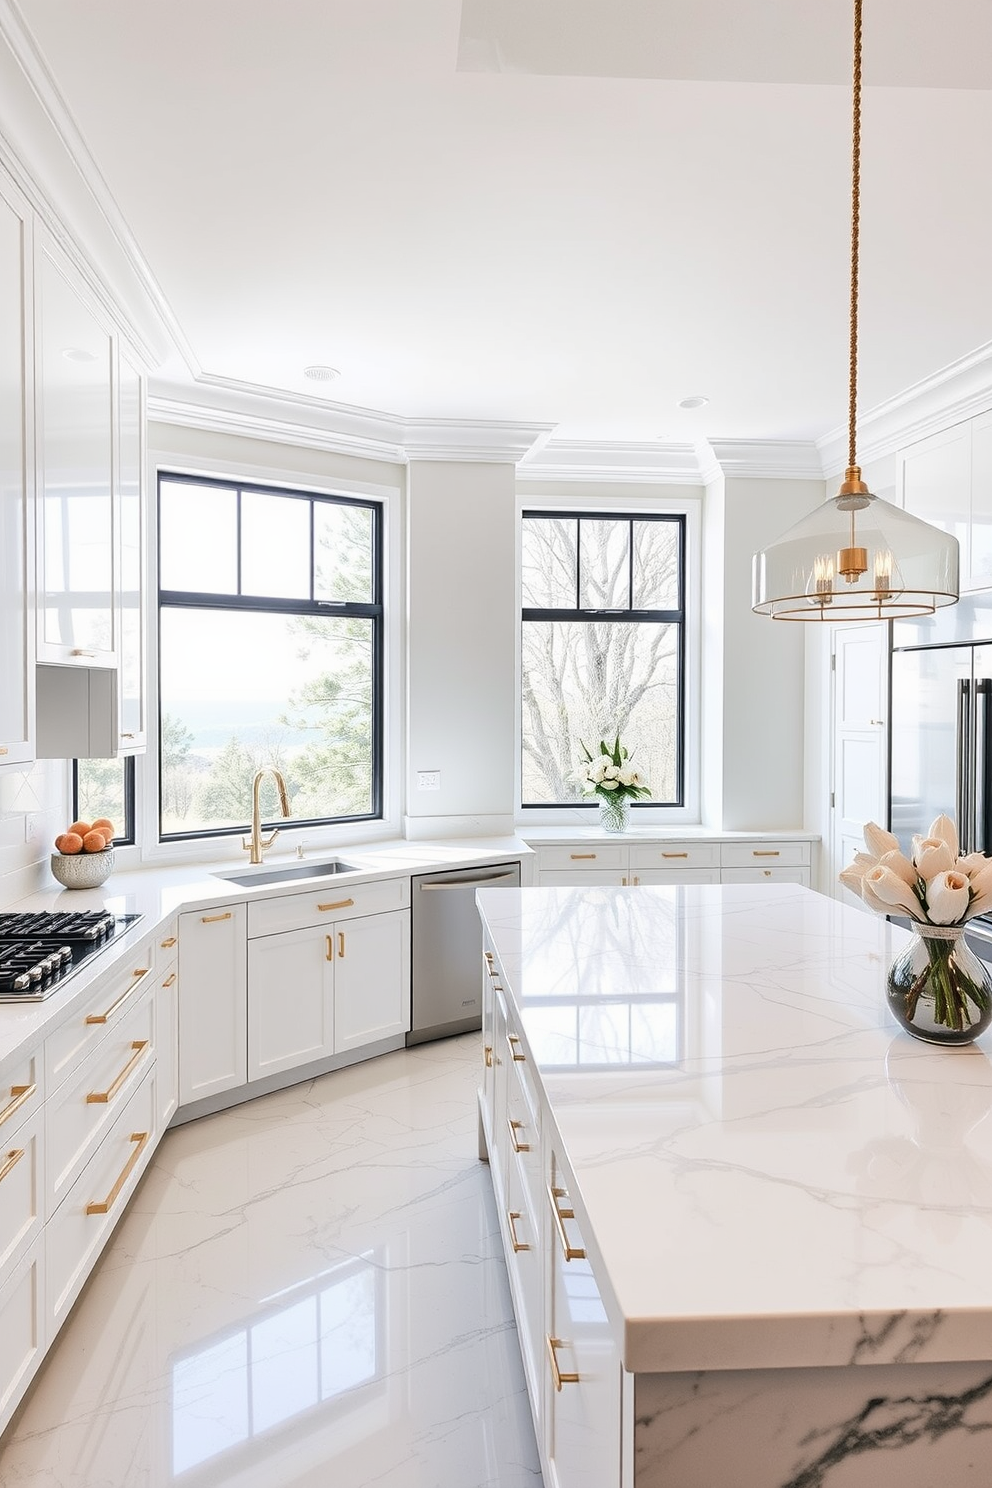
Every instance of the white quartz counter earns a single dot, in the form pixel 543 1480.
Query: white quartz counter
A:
pixel 768 1172
pixel 158 894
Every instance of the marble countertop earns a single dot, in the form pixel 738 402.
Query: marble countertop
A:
pixel 767 1171
pixel 157 894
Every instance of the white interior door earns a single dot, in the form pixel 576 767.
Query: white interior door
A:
pixel 859 756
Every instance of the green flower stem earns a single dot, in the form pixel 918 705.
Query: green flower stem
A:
pixel 951 986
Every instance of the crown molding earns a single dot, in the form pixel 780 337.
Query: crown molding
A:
pixel 765 459
pixel 955 393
pixel 584 460
pixel 477 440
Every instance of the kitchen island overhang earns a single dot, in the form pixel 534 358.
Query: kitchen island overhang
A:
pixel 767 1173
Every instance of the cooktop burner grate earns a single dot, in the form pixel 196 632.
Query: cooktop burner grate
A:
pixel 40 950
pixel 86 925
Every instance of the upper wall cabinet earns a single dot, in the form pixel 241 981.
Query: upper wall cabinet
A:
pixel 16 507
pixel 76 522
pixel 130 556
pixel 947 480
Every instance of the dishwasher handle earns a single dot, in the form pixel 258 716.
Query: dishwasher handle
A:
pixel 461 883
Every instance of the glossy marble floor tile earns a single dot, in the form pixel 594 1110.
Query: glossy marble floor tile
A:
pixel 308 1290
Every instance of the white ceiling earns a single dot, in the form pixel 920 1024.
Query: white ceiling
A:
pixel 572 212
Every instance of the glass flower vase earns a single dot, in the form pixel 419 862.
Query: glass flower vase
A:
pixel 614 812
pixel 938 989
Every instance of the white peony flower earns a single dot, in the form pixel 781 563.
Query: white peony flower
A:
pixel 947 898
pixel 889 888
pixel 932 856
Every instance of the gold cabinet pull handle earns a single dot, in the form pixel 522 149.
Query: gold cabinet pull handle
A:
pixel 329 953
pixel 165 944
pixel 554 1344
pixel 141 1138
pixel 169 979
pixel 4 749
pixel 570 1252
pixel 512 1215
pixel 770 853
pixel 20 1093
pixel 78 651
pixel 13 1158
pixel 101 1097
pixel 341 944
pixel 580 857
pixel 511 1039
pixel 213 919
pixel 488 1056
pixel 138 973
pixel 338 904
pixel 675 855
pixel 516 1126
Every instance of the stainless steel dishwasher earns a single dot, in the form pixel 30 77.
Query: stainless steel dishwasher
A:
pixel 447 948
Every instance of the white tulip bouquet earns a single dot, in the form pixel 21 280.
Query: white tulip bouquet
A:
pixel 936 887
pixel 608 772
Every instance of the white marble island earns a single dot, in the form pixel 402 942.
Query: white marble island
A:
pixel 785 1201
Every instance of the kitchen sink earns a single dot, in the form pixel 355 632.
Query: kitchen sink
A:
pixel 281 875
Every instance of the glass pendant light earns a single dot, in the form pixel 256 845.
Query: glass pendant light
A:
pixel 856 557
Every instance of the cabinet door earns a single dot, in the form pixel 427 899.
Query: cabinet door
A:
pixel 290 1000
pixel 213 1011
pixel 16 510
pixel 580 878
pixel 676 876
pixel 130 554
pixel 371 979
pixel 167 1042
pixel 77 615
pixel 936 485
pixel 980 567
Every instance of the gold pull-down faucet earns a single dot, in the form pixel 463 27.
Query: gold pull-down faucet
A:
pixel 257 845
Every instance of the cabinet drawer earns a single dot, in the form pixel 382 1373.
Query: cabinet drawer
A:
pixel 764 854
pixel 22 1331
pixel 675 855
pixel 167 942
pixel 583 855
pixel 94 1203
pixel 86 1104
pixel 106 1005
pixel 326 905
pixel 765 875
pixel 22 1192
pixel 20 1094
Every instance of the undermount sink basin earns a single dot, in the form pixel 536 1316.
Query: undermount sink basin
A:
pixel 253 876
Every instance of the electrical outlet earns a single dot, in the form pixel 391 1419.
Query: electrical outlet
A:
pixel 428 779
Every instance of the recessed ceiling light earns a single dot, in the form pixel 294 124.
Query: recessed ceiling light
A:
pixel 318 373
pixel 696 401
pixel 78 354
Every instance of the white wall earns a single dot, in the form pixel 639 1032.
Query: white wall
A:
pixel 34 809
pixel 461 646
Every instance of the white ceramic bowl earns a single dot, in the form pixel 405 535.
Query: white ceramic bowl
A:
pixel 83 870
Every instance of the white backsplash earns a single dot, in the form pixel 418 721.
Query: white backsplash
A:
pixel 34 809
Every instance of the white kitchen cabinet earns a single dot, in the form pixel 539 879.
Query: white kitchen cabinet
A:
pixel 16 488
pixel 371 979
pixel 77 611
pixel 947 480
pixel 22 1328
pixel 166 1001
pixel 980 564
pixel 213 1012
pixel 326 990
pixel 583 862
pixel 131 698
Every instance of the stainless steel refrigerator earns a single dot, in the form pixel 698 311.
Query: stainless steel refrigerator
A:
pixel 941 726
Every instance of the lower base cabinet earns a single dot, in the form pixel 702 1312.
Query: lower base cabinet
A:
pixel 213 1014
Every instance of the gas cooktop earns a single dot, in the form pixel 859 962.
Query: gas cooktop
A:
pixel 40 951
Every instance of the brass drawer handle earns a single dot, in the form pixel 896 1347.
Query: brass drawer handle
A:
pixel 511 1039
pixel 4 749
pixel 169 979
pixel 516 1126
pixel 774 853
pixel 674 855
pixel 137 974
pixel 214 919
pixel 329 952
pixel 512 1215
pixel 165 944
pixel 141 1138
pixel 581 857
pixel 13 1158
pixel 571 1252
pixel 554 1344
pixel 341 944
pixel 488 1056
pixel 101 1097
pixel 338 904
pixel 78 651
pixel 21 1093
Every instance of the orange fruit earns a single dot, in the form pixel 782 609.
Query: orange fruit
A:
pixel 105 825
pixel 80 828
pixel 94 842
pixel 69 842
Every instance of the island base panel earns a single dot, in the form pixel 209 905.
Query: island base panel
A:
pixel 915 1425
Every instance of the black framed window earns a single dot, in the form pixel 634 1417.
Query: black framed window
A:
pixel 105 788
pixel 602 650
pixel 270 652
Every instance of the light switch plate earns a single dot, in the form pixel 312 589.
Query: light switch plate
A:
pixel 428 779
